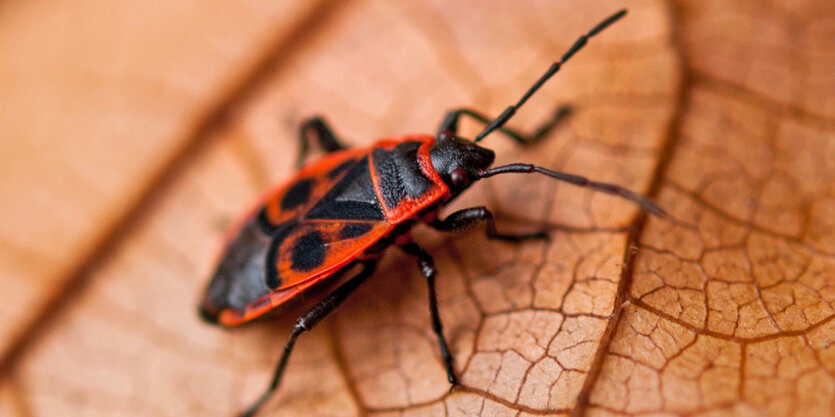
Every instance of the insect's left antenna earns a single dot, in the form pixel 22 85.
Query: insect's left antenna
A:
pixel 646 204
pixel 578 44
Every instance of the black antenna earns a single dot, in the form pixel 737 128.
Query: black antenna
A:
pixel 645 203
pixel 579 44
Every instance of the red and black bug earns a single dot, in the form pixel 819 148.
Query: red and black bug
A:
pixel 347 207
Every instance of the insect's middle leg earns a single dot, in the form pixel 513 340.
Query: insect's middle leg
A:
pixel 307 322
pixel 469 217
pixel 427 268
pixel 322 132
pixel 450 124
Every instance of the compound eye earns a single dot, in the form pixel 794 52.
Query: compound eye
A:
pixel 458 176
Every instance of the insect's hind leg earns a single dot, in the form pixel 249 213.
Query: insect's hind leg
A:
pixel 450 124
pixel 427 268
pixel 469 217
pixel 307 322
pixel 322 132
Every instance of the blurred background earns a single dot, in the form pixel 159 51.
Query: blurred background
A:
pixel 133 133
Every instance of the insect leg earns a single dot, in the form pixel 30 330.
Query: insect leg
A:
pixel 450 124
pixel 427 268
pixel 323 134
pixel 468 217
pixel 307 322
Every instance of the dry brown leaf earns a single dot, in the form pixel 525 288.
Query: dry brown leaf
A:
pixel 98 99
pixel 724 112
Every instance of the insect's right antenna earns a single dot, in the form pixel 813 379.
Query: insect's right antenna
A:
pixel 579 44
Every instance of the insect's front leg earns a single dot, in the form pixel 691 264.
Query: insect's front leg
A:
pixel 319 129
pixel 469 217
pixel 427 268
pixel 305 323
pixel 450 124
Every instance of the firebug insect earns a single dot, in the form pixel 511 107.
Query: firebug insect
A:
pixel 347 207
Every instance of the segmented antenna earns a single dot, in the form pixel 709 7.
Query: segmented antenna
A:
pixel 555 67
pixel 645 203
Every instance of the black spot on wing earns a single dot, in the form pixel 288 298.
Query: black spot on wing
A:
pixel 309 252
pixel 297 195
pixel 354 230
pixel 352 198
pixel 399 174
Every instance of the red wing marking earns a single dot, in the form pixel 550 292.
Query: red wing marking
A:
pixel 340 246
pixel 295 197
pixel 317 248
